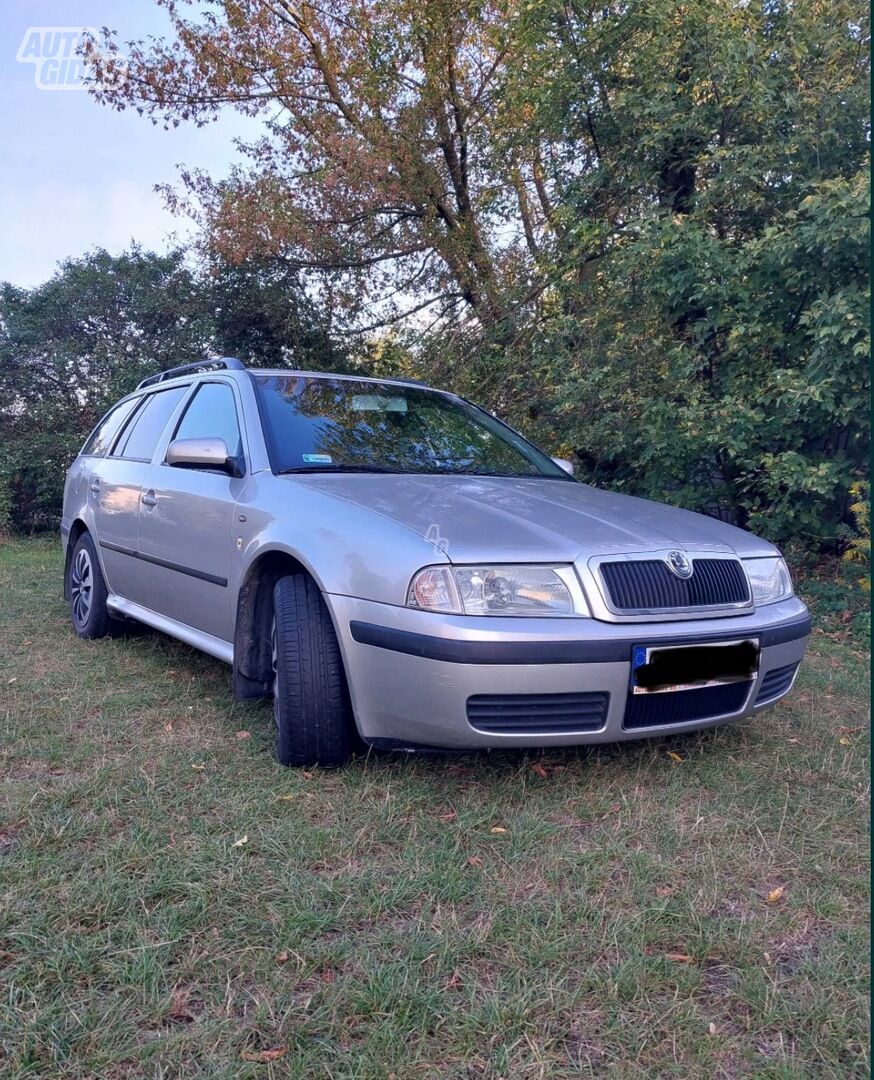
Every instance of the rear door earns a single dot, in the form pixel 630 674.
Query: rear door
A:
pixel 115 483
pixel 187 517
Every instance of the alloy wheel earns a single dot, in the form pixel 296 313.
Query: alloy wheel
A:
pixel 81 586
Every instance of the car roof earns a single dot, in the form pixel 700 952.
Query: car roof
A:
pixel 298 374
pixel 190 372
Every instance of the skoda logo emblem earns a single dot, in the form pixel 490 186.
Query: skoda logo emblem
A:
pixel 680 564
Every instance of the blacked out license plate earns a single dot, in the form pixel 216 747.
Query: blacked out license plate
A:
pixel 657 669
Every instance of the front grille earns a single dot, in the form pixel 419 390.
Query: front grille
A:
pixel 776 682
pixel 681 706
pixel 648 585
pixel 538 714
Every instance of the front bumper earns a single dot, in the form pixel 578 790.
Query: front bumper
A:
pixel 411 673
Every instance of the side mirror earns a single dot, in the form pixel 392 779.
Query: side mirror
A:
pixel 202 454
pixel 563 463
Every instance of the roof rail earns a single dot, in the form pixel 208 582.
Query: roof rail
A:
pixel 230 363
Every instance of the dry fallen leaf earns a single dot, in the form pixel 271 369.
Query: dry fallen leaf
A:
pixel 679 957
pixel 286 798
pixel 474 860
pixel 179 1009
pixel 844 741
pixel 776 894
pixel 449 816
pixel 307 775
pixel 168 728
pixel 243 735
pixel 712 1028
pixel 264 1056
pixel 282 957
pixel 497 829
pixel 539 769
pixel 198 768
pixel 675 757
pixel 453 983
pixel 850 730
pixel 664 890
pixel 239 843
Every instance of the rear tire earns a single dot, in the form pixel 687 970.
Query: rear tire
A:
pixel 86 588
pixel 314 724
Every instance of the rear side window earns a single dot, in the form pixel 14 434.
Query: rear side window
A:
pixel 141 436
pixel 212 414
pixel 101 437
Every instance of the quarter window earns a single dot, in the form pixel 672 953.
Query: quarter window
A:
pixel 212 414
pixel 101 437
pixel 140 438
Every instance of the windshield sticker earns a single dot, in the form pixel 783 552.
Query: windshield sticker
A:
pixel 318 459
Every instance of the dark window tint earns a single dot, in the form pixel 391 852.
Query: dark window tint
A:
pixel 103 434
pixel 212 414
pixel 344 425
pixel 143 432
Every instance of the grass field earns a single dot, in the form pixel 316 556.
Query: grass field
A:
pixel 175 904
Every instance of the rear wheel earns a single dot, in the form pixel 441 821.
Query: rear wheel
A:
pixel 314 724
pixel 87 590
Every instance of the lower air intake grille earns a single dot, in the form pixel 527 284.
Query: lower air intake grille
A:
pixel 648 585
pixel 776 682
pixel 680 706
pixel 537 714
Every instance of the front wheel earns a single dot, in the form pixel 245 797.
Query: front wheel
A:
pixel 314 724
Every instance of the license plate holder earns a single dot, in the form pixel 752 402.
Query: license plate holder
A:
pixel 661 669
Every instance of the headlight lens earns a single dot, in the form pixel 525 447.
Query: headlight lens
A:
pixel 491 590
pixel 769 579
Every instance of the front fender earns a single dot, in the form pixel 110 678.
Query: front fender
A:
pixel 346 548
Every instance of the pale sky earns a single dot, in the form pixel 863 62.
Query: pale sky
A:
pixel 79 175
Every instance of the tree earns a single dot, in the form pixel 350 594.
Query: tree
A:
pixel 259 312
pixel 719 355
pixel 378 163
pixel 74 345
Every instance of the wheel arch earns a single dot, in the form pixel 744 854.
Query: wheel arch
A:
pixel 76 529
pixel 253 673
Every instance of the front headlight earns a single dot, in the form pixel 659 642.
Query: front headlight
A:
pixel 492 590
pixel 769 579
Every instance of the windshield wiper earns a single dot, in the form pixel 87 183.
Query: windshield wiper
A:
pixel 338 469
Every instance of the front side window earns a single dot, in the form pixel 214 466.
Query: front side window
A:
pixel 212 414
pixel 101 437
pixel 346 425
pixel 141 436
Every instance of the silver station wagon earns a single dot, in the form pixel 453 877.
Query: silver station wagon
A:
pixel 397 567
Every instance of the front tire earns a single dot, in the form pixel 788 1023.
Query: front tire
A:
pixel 86 588
pixel 314 724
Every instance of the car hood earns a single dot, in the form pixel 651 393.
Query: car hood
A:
pixel 476 518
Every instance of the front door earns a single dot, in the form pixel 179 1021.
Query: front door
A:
pixel 186 521
pixel 115 484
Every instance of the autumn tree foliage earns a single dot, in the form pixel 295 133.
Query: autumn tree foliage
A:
pixel 380 162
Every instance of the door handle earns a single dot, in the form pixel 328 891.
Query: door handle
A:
pixel 149 499
pixel 95 487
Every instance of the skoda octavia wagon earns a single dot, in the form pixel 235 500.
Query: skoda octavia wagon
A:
pixel 395 566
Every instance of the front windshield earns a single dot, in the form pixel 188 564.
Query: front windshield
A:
pixel 317 424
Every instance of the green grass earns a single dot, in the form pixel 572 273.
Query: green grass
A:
pixel 375 923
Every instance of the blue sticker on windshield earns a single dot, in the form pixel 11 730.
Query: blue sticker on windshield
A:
pixel 318 459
